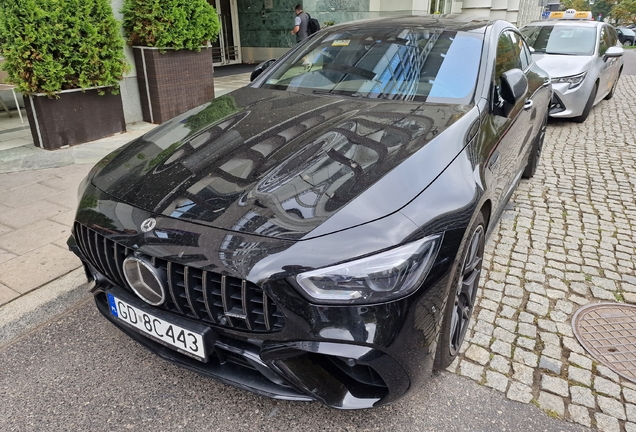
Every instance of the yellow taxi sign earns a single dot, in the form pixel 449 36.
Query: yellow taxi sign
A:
pixel 571 14
pixel 583 15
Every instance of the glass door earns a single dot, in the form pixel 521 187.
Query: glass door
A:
pixel 227 49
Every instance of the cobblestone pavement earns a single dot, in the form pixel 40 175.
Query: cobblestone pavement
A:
pixel 568 238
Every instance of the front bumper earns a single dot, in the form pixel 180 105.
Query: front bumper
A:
pixel 567 103
pixel 343 356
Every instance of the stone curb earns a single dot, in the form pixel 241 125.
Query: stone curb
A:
pixel 38 306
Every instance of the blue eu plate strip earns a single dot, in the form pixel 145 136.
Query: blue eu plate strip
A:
pixel 113 307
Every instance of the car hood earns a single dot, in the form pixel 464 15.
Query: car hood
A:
pixel 279 164
pixel 562 65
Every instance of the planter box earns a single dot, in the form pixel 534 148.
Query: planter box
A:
pixel 173 82
pixel 75 117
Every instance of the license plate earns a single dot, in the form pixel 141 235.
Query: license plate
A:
pixel 183 340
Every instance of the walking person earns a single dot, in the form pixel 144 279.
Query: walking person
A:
pixel 300 24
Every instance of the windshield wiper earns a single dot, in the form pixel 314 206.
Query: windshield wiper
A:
pixel 560 53
pixel 352 70
pixel 336 92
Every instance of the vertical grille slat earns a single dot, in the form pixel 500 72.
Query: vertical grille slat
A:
pixel 266 317
pixel 189 291
pixel 118 263
pixel 99 253
pixel 170 288
pixel 110 259
pixel 209 303
pixel 81 239
pixel 200 295
pixel 87 246
pixel 225 300
pixel 177 280
pixel 245 304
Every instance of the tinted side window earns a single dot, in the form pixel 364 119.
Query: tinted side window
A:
pixel 604 41
pixel 526 55
pixel 612 35
pixel 508 53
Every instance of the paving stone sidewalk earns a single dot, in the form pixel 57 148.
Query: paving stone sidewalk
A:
pixel 567 239
pixel 36 213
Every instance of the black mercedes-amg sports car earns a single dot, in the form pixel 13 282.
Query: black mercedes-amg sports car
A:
pixel 319 234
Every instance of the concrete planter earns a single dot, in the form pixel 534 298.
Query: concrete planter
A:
pixel 77 116
pixel 173 82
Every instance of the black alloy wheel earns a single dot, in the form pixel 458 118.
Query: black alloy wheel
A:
pixel 461 300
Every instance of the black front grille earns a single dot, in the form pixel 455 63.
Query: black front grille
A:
pixel 197 294
pixel 556 105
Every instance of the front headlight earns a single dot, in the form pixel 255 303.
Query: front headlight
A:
pixel 573 80
pixel 373 279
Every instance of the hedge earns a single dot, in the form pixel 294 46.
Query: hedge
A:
pixel 178 24
pixel 53 45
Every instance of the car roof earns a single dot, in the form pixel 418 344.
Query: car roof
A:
pixel 455 22
pixel 566 22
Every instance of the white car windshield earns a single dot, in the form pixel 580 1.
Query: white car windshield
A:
pixel 561 40
pixel 406 64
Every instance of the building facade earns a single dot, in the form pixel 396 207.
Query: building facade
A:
pixel 264 25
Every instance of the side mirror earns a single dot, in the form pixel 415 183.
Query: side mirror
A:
pixel 532 50
pixel 613 52
pixel 261 68
pixel 514 86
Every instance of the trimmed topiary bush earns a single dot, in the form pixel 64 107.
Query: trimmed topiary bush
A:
pixel 178 24
pixel 54 45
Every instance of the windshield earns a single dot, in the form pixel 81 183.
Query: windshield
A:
pixel 627 32
pixel 404 64
pixel 559 39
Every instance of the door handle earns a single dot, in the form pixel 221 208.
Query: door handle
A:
pixel 528 104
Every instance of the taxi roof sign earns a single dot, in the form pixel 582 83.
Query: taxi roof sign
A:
pixel 571 14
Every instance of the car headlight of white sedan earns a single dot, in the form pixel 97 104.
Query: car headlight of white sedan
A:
pixel 573 80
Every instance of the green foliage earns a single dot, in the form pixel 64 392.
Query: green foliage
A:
pixel 602 7
pixel 178 24
pixel 579 5
pixel 615 10
pixel 53 45
pixel 624 11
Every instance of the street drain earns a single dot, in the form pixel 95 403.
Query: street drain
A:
pixel 608 332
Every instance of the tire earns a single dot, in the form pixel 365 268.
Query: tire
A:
pixel 535 153
pixel 611 93
pixel 628 43
pixel 462 296
pixel 588 106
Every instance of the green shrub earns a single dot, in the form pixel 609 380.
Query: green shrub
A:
pixel 53 45
pixel 178 24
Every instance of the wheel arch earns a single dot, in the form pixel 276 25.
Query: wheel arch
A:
pixel 486 210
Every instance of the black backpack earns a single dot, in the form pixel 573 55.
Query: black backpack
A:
pixel 312 25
